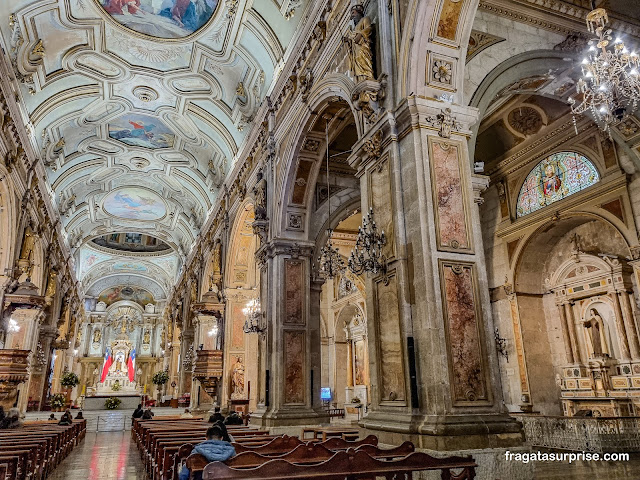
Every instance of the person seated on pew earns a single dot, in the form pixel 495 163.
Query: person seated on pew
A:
pixel 138 412
pixel 2 414
pixel 214 449
pixel 147 415
pixel 233 419
pixel 225 433
pixel 186 414
pixel 12 420
pixel 79 416
pixel 52 418
pixel 66 419
pixel 217 416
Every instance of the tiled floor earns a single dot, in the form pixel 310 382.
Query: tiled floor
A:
pixel 102 456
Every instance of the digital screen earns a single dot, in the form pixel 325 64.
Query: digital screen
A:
pixel 325 393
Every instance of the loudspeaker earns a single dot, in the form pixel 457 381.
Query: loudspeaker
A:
pixel 413 376
pixel 266 388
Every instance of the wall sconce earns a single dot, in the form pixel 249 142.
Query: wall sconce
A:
pixel 501 345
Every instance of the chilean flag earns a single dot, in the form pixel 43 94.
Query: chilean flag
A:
pixel 131 365
pixel 108 360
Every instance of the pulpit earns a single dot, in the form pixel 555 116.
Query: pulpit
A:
pixel 13 371
pixel 207 370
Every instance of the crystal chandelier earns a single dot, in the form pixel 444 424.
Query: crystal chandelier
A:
pixel 367 255
pixel 610 85
pixel 330 260
pixel 254 317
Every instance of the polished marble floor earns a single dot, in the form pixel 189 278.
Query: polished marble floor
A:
pixel 103 456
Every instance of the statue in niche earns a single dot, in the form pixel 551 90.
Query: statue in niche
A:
pixel 97 335
pixel 237 379
pixel 359 44
pixel 146 337
pixel 260 191
pixel 217 257
pixel 595 334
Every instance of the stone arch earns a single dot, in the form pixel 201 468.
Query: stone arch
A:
pixel 542 257
pixel 7 223
pixel 449 24
pixel 332 88
pixel 240 259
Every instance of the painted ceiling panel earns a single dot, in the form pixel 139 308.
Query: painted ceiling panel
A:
pixel 139 111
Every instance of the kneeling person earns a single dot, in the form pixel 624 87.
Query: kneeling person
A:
pixel 214 449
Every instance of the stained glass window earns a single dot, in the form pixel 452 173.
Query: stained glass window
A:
pixel 554 178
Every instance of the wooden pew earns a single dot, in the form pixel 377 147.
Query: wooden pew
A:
pixel 356 465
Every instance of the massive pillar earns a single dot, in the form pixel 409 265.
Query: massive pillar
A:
pixel 433 362
pixel 291 373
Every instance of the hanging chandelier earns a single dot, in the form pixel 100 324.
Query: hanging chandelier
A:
pixel 367 255
pixel 610 85
pixel 330 261
pixel 254 318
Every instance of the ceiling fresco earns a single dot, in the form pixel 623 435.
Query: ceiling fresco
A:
pixel 161 18
pixel 138 109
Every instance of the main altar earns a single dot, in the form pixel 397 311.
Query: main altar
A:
pixel 117 383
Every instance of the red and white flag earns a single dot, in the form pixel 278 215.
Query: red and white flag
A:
pixel 131 365
pixel 108 360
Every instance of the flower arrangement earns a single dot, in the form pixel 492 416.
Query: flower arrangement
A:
pixel 57 401
pixel 69 380
pixel 116 386
pixel 112 403
pixel 160 378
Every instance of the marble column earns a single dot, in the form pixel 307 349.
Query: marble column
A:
pixel 622 334
pixel 431 310
pixel 573 333
pixel 566 335
pixel 630 325
pixel 291 302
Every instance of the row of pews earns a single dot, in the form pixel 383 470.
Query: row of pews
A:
pixel 167 443
pixel 32 451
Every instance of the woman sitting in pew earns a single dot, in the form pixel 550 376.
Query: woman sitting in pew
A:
pixel 225 433
pixel 214 449
pixel 66 418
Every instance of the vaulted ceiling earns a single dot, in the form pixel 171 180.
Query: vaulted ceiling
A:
pixel 138 108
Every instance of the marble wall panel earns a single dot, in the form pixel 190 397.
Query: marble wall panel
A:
pixel 463 329
pixel 448 195
pixel 391 370
pixel 237 321
pixel 294 361
pixel 381 199
pixel 294 291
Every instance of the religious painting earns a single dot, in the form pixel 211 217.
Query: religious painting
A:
pixel 449 195
pixel 237 333
pixel 167 19
pixel 463 333
pixel 128 265
pixel 133 203
pixel 359 362
pixel 134 294
pixel 449 18
pixel 89 258
pixel 138 130
pixel 294 350
pixel 294 289
pixel 554 178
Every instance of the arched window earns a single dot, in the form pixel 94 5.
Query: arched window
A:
pixel 554 178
